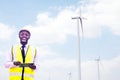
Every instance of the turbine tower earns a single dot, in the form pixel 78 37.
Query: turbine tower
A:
pixel 69 76
pixel 98 68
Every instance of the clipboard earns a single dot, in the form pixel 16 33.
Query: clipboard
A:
pixel 25 64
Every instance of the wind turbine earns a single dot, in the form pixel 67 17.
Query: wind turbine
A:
pixel 70 75
pixel 79 20
pixel 98 68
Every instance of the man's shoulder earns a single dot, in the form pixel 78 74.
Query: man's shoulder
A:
pixel 16 45
pixel 32 46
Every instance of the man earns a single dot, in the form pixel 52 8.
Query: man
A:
pixel 22 59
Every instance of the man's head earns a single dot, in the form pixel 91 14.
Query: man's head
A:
pixel 24 36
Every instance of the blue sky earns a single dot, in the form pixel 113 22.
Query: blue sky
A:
pixel 54 34
pixel 24 12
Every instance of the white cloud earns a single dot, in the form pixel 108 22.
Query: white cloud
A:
pixel 58 68
pixel 101 14
pixel 5 32
pixel 45 52
pixel 4 73
pixel 49 30
pixel 109 69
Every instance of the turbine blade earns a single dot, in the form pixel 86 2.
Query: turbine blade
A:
pixel 81 24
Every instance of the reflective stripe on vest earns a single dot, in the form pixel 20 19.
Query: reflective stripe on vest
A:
pixel 19 74
pixel 16 72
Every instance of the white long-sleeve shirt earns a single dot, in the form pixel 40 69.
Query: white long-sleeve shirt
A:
pixel 9 62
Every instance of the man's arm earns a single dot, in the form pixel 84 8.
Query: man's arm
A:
pixel 9 62
pixel 36 61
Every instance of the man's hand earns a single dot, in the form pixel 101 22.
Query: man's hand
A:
pixel 32 66
pixel 17 63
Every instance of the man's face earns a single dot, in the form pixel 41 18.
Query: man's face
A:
pixel 24 36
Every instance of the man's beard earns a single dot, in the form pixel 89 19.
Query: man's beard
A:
pixel 23 43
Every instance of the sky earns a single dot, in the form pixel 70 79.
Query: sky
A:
pixel 54 34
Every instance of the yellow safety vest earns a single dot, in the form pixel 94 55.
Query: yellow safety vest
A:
pixel 16 73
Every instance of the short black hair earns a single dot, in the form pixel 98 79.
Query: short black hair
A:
pixel 24 30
